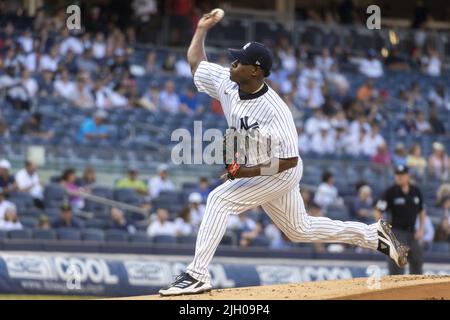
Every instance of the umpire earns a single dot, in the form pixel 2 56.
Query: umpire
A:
pixel 404 202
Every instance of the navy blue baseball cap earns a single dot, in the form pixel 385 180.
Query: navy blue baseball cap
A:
pixel 254 53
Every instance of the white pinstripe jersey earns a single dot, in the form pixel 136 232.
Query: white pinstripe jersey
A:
pixel 264 109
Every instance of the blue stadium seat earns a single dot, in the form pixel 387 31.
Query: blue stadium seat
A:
pixel 126 195
pixel 41 234
pixel 69 234
pixel 140 237
pixel 54 195
pixel 187 239
pixel 116 236
pixel 440 247
pixel 92 234
pixel 3 234
pixel 163 239
pixel 19 234
pixel 29 222
pixel 260 241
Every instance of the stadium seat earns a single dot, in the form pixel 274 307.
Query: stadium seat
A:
pixel 163 239
pixel 29 222
pixel 19 234
pixel 260 241
pixel 116 236
pixel 54 195
pixel 440 247
pixel 69 234
pixel 3 234
pixel 187 239
pixel 140 237
pixel 44 234
pixel 126 195
pixel 92 234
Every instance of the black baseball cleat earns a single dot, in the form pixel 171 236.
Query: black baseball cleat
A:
pixel 185 284
pixel 390 246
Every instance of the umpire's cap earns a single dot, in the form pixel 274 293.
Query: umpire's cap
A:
pixel 401 169
pixel 254 53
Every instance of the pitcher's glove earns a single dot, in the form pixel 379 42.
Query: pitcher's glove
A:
pixel 233 152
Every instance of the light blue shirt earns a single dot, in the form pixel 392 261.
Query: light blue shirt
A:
pixel 89 126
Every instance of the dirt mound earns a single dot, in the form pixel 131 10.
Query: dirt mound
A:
pixel 391 287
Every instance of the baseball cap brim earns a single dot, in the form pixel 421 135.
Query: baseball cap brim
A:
pixel 239 54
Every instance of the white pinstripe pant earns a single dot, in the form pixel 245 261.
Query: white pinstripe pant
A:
pixel 282 201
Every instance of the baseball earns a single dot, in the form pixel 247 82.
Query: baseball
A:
pixel 218 14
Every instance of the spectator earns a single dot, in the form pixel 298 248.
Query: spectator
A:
pixel 183 69
pixel 99 47
pixel 416 162
pixel 118 98
pixel 189 102
pixel 372 141
pixel 184 224
pixel 366 91
pixel 323 141
pixel 196 207
pixel 431 64
pixel 93 129
pixel 131 181
pixel 63 86
pixel 28 181
pixel 88 179
pixel 442 194
pixel 304 141
pixel 162 226
pixel 363 205
pixel 439 162
pixel 241 223
pixel 86 62
pixel 70 42
pixel 66 219
pixel 29 83
pixel 327 193
pixel 399 157
pixel 440 97
pixel 50 61
pixel 312 124
pixel 371 66
pixel 437 126
pixel 247 237
pixel 150 99
pixel 428 236
pixel 151 64
pixel 203 188
pixel 33 128
pixel 4 204
pixel 169 64
pixel 81 96
pixel 7 181
pixel 4 131
pixel 119 222
pixel 407 125
pixel 422 125
pixel 288 60
pixel 382 157
pixel 10 220
pixel 169 100
pixel 442 233
pixel 46 85
pixel 161 182
pixel 44 222
pixel 324 61
pixel 68 182
pixel 310 94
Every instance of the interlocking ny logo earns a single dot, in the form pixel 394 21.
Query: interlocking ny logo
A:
pixel 244 124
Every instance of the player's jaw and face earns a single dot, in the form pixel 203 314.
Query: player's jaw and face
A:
pixel 402 179
pixel 241 73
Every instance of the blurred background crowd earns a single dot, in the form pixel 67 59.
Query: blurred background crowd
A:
pixel 113 92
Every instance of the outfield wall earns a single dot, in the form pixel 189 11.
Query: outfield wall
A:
pixel 127 275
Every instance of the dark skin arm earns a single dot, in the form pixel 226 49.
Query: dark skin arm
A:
pixel 268 168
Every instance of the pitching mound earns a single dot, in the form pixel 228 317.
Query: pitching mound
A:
pixel 392 287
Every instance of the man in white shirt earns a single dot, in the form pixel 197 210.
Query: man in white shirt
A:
pixel 169 99
pixel 313 123
pixel 70 43
pixel 63 86
pixel 29 83
pixel 323 140
pixel 327 193
pixel 182 68
pixel 50 61
pixel 196 207
pixel 370 66
pixel 27 180
pixel 161 182
pixel 4 204
pixel 162 226
pixel 372 141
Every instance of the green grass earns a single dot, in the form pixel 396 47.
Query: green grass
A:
pixel 38 297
